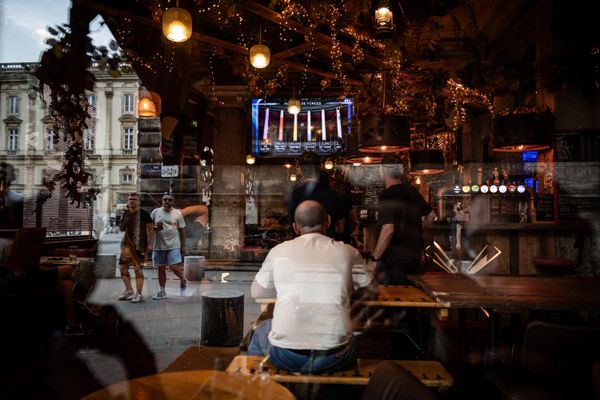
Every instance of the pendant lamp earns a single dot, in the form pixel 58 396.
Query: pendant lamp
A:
pixel 149 104
pixel 384 133
pixel 355 157
pixel 177 24
pixel 426 162
pixel 384 22
pixel 260 55
pixel 523 131
pixel 294 106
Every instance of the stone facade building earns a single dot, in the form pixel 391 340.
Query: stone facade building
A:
pixel 110 148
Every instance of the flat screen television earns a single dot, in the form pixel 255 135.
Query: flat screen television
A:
pixel 320 127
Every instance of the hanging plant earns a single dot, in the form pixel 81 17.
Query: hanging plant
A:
pixel 64 76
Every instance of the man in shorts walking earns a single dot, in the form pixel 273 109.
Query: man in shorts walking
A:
pixel 169 243
pixel 135 246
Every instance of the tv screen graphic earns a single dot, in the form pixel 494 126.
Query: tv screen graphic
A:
pixel 321 127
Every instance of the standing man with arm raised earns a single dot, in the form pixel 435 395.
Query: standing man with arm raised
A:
pixel 169 243
pixel 403 213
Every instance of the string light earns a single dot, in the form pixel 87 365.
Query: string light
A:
pixel 460 96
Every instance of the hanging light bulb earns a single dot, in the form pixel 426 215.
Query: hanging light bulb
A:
pixel 260 55
pixel 149 104
pixel 328 164
pixel 294 104
pixel 293 177
pixel 177 24
pixel 384 22
pixel 250 159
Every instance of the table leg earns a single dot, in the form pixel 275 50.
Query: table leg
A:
pixel 462 329
pixel 492 357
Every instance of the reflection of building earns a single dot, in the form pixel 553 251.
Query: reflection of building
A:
pixel 110 145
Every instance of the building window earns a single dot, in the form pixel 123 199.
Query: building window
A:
pixel 128 141
pixel 13 104
pixel 89 139
pixel 49 140
pixel 127 179
pixel 128 103
pixel 13 135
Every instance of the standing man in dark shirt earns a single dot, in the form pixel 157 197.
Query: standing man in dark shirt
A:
pixel 403 213
pixel 314 188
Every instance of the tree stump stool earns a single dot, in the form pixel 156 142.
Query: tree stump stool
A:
pixel 222 317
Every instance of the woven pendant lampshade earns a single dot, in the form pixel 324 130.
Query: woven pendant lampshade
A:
pixel 177 24
pixel 384 133
pixel 384 22
pixel 426 162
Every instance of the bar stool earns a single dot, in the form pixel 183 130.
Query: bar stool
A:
pixel 553 266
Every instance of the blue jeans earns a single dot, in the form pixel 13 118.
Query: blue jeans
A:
pixel 315 361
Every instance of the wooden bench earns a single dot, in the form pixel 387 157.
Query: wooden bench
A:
pixel 431 373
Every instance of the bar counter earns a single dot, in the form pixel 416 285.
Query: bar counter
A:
pixel 520 242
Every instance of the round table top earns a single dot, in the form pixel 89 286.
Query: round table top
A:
pixel 199 384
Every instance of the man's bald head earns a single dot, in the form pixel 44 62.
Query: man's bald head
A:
pixel 310 216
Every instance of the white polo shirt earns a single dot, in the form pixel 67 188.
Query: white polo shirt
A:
pixel 313 277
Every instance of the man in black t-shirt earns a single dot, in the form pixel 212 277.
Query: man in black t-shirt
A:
pixel 402 215
pixel 136 245
pixel 316 187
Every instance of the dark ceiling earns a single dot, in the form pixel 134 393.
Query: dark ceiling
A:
pixel 491 45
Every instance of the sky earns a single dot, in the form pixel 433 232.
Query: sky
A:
pixel 23 28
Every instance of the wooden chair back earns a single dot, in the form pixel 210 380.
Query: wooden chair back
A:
pixel 27 250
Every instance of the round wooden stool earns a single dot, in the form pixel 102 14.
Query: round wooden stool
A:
pixel 222 317
pixel 553 266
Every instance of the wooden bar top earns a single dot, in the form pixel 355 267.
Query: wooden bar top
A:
pixel 390 296
pixel 511 292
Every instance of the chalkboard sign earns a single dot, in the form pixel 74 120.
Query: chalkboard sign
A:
pixel 366 185
pixel 582 145
pixel 577 172
pixel 545 207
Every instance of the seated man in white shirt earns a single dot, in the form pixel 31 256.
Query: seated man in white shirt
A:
pixel 312 277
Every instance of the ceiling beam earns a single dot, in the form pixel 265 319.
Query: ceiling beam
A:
pixel 279 19
pixel 303 48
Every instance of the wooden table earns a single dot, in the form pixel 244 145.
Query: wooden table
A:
pixel 199 384
pixel 388 296
pixel 509 293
